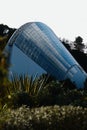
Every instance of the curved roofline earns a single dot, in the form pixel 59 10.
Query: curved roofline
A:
pixel 20 29
pixel 39 42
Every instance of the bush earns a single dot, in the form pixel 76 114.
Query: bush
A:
pixel 36 93
pixel 44 118
pixel 4 82
pixel 25 90
pixel 56 93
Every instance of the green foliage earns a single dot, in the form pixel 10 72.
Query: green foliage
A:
pixel 3 42
pixel 4 83
pixel 25 90
pixel 61 94
pixel 44 118
pixel 35 92
pixel 31 85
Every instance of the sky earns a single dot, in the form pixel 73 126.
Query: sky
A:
pixel 67 18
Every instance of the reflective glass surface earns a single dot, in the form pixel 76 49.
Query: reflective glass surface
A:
pixel 41 45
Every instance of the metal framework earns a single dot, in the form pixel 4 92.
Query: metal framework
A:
pixel 37 41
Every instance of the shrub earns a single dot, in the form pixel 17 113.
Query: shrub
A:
pixel 45 118
pixel 3 42
pixel 38 92
pixel 25 90
pixel 4 82
pixel 56 93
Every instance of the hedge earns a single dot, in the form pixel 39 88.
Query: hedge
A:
pixel 44 118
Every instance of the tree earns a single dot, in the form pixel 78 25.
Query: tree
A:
pixel 79 40
pixel 79 43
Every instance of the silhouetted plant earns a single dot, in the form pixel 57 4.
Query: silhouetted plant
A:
pixel 25 90
pixel 79 40
pixel 68 85
pixel 79 43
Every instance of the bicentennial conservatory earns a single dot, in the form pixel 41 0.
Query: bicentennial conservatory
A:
pixel 34 48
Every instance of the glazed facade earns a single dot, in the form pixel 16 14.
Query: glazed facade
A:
pixel 37 41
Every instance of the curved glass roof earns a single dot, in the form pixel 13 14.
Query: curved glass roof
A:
pixel 39 43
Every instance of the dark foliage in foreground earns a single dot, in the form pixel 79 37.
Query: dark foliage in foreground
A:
pixel 44 118
pixel 53 93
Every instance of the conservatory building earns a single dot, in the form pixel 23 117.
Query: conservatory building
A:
pixel 35 49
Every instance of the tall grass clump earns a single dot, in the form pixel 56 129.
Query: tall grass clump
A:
pixel 25 90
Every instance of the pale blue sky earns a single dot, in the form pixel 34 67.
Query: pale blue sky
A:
pixel 67 18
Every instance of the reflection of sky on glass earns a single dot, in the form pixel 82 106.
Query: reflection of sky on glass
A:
pixel 21 64
pixel 36 41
